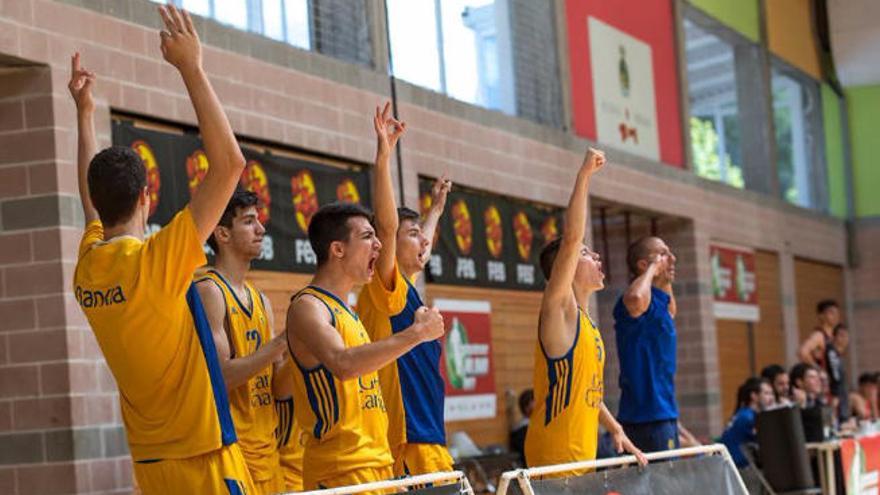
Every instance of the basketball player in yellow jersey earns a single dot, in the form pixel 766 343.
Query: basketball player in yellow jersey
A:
pixel 336 389
pixel 570 355
pixel 242 325
pixel 138 296
pixel 412 386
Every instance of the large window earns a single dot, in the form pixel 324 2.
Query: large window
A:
pixel 457 47
pixel 799 144
pixel 714 120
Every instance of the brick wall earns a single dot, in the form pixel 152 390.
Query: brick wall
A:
pixel 57 399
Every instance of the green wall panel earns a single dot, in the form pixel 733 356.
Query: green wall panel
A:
pixel 834 152
pixel 863 103
pixel 741 15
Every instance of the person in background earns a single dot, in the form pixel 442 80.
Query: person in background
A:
pixel 778 378
pixel 812 351
pixel 864 400
pixel 646 347
pixel 753 396
pixel 806 383
pixel 526 404
pixel 837 384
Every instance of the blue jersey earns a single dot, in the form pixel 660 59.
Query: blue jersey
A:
pixel 740 430
pixel 646 348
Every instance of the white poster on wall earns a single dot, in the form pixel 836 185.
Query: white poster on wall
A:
pixel 623 90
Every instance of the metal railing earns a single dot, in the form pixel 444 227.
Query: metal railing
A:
pixel 422 479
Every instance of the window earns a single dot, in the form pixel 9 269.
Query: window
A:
pixel 714 119
pixel 797 126
pixel 282 20
pixel 456 47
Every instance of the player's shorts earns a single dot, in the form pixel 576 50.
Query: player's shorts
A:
pixel 273 485
pixel 222 471
pixel 354 477
pixel 293 479
pixel 421 458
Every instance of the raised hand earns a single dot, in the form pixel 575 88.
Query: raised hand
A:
pixel 179 41
pixel 80 85
pixel 430 323
pixel 593 161
pixel 382 121
pixel 439 191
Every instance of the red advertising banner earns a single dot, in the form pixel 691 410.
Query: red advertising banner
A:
pixel 733 282
pixel 861 464
pixel 466 363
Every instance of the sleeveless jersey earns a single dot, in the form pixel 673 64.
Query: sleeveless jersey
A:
pixel 345 422
pixel 151 326
pixel 564 426
pixel 411 385
pixel 252 403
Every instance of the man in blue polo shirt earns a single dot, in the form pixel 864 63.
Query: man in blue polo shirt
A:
pixel 646 347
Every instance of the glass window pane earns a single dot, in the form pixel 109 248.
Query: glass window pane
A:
pixel 199 7
pixel 296 17
pixel 793 162
pixel 273 21
pixel 232 12
pixel 715 124
pixel 412 25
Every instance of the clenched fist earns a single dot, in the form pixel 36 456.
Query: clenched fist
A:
pixel 429 324
pixel 593 161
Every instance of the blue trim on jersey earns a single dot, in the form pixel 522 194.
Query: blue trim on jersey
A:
pixel 333 296
pixel 221 399
pixel 234 486
pixel 560 375
pixel 247 312
pixel 321 392
pixel 421 385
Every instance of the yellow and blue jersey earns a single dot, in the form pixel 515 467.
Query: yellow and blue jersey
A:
pixel 412 385
pixel 252 403
pixel 345 422
pixel 291 445
pixel 149 321
pixel 564 426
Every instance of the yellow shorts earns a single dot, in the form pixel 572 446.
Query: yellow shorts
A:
pixel 271 486
pixel 354 477
pixel 222 471
pixel 421 458
pixel 293 478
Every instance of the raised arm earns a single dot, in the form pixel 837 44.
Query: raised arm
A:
pixel 315 341
pixel 385 207
pixel 557 294
pixel 814 341
pixel 439 191
pixel 80 86
pixel 637 297
pixel 182 49
pixel 236 370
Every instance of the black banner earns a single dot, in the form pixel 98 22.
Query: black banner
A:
pixel 489 240
pixel 290 189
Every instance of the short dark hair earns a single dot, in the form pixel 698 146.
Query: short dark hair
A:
pixel 868 379
pixel 116 178
pixel 241 198
pixel 770 372
pixel 636 252
pixel 525 398
pixel 405 213
pixel 548 256
pixel 799 370
pixel 330 224
pixel 825 304
pixel 840 328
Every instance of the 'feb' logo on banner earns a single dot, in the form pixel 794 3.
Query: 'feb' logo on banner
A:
pixel 466 363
